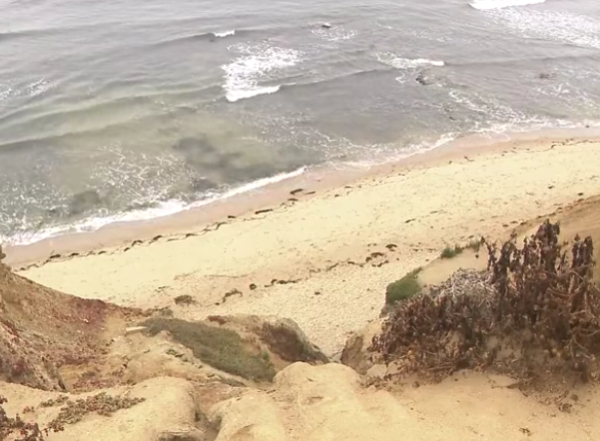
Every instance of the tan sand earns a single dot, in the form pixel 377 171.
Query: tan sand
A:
pixel 322 247
pixel 328 403
pixel 324 403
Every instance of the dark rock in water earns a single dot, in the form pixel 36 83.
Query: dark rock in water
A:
pixel 424 80
pixel 326 25
pixel 195 150
pixel 545 76
pixel 199 185
pixel 84 201
pixel 191 145
pixel 54 212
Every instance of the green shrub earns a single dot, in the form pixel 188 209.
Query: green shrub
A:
pixel 403 289
pixel 450 252
pixel 220 348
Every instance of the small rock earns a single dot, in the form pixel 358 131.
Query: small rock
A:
pixel 525 431
pixel 326 25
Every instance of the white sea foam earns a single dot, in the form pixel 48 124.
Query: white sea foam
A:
pixel 406 63
pixel 162 209
pixel 563 27
pixel 245 93
pixel 495 118
pixel 224 34
pixel 499 4
pixel 334 34
pixel 38 87
pixel 31 90
pixel 254 64
pixel 5 92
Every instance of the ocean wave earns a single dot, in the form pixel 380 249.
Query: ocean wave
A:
pixel 564 27
pixel 152 211
pixel 238 95
pixel 397 62
pixel 492 117
pixel 202 36
pixel 334 34
pixel 30 90
pixel 499 4
pixel 224 34
pixel 254 64
pixel 5 92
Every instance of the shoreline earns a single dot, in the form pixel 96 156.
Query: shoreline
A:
pixel 326 260
pixel 324 178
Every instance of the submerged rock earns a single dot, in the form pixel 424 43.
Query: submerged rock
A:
pixel 196 150
pixel 425 80
pixel 84 201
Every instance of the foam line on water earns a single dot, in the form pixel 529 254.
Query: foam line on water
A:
pixel 224 33
pixel 256 63
pixel 499 4
pixel 162 209
pixel 397 62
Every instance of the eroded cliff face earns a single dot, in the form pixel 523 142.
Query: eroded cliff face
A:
pixel 42 329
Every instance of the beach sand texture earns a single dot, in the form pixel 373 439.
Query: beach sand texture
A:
pixel 325 260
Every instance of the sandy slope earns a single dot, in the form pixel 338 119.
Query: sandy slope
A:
pixel 322 243
pixel 328 403
pixel 324 403
pixel 168 408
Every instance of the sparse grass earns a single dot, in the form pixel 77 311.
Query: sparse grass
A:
pixel 403 289
pixel 450 252
pixel 220 348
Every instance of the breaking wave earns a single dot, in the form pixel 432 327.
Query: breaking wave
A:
pixel 256 64
pixel 498 4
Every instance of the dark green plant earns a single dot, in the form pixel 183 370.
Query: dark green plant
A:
pixel 450 252
pixel 220 348
pixel 403 289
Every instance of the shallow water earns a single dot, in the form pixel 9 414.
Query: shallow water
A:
pixel 126 111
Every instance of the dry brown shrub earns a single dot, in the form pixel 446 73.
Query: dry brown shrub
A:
pixel 534 314
pixel 15 427
pixel 71 413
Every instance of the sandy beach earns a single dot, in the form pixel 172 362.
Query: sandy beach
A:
pixel 325 259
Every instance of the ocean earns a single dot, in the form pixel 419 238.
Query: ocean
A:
pixel 115 111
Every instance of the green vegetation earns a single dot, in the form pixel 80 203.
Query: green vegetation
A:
pixel 220 348
pixel 543 290
pixel 403 289
pixel 450 252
